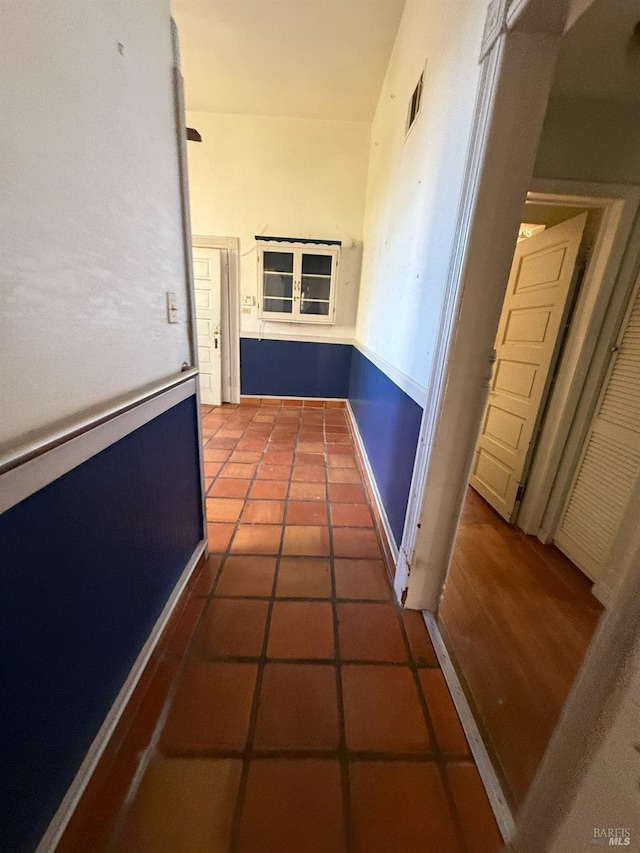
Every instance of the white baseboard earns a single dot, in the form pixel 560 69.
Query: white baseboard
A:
pixel 391 542
pixel 492 786
pixel 65 811
pixel 292 397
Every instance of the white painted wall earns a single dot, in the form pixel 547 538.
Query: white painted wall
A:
pixel 590 140
pixel 414 184
pixel 89 209
pixel 577 8
pixel 282 177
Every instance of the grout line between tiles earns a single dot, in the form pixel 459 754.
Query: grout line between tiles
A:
pixel 306 427
pixel 244 776
pixel 342 746
pixel 278 753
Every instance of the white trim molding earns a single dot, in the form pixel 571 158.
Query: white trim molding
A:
pixel 388 533
pixel 411 388
pixel 66 808
pixel 183 177
pixel 86 440
pixel 495 794
pixel 297 337
pixel 495 24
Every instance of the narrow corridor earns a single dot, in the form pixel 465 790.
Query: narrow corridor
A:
pixel 290 706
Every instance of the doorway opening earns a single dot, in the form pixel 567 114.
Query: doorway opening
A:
pixel 217 310
pixel 517 614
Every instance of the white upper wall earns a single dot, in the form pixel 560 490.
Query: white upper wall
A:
pixel 414 184
pixel 89 209
pixel 322 59
pixel 594 60
pixel 592 126
pixel 590 140
pixel 282 177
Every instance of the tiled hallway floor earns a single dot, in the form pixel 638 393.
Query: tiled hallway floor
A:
pixel 291 705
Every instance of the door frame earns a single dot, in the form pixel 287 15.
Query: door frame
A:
pixel 585 354
pixel 229 310
pixel 518 55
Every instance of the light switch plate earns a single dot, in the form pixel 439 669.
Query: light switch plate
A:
pixel 248 300
pixel 172 308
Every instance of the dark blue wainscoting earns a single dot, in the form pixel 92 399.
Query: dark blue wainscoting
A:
pixel 294 368
pixel 389 423
pixel 87 565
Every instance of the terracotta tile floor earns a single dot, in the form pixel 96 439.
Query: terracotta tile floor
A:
pixel 291 706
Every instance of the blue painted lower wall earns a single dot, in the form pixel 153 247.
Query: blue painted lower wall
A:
pixel 389 423
pixel 388 419
pixel 294 368
pixel 88 564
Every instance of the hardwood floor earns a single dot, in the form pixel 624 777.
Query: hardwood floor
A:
pixel 517 617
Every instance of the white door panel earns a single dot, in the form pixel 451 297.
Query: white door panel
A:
pixel 207 281
pixel 533 314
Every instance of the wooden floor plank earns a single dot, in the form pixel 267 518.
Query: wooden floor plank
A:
pixel 517 617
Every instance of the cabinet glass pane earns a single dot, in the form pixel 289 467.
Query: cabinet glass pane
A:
pixel 313 306
pixel 316 264
pixel 316 287
pixel 278 285
pixel 279 306
pixel 278 261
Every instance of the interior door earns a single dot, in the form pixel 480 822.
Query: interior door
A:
pixel 207 278
pixel 534 312
pixel 609 465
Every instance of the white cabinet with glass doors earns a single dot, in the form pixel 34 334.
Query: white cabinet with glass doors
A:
pixel 297 282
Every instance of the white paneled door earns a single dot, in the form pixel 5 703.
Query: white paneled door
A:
pixel 534 312
pixel 207 265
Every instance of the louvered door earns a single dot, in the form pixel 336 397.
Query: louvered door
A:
pixel 610 463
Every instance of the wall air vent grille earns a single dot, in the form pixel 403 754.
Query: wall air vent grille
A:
pixel 415 103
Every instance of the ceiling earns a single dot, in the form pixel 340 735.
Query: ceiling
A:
pixel 594 61
pixel 322 59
